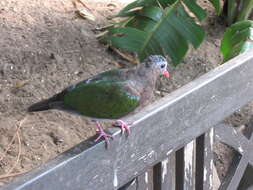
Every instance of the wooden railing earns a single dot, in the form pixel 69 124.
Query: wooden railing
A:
pixel 170 146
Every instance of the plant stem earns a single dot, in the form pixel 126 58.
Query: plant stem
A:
pixel 246 9
pixel 231 11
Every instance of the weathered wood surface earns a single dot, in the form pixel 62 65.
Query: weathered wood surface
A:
pixel 208 161
pixel 166 125
pixel 145 181
pixel 234 138
pixel 131 185
pixel 204 161
pixel 164 174
pixel 189 165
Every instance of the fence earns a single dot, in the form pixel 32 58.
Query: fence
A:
pixel 170 146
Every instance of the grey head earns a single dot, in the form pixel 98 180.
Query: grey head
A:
pixel 157 64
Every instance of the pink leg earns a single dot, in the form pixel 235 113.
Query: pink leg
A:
pixel 102 133
pixel 123 125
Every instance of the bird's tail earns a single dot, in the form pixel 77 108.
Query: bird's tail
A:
pixel 45 104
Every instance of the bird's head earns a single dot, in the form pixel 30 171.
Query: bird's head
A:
pixel 157 64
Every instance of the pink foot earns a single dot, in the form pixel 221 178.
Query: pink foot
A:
pixel 123 125
pixel 102 133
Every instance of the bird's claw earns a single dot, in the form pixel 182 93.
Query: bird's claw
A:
pixel 123 125
pixel 102 134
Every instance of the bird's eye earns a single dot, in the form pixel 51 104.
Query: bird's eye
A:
pixel 162 66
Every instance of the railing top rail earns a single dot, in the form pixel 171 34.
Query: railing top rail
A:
pixel 160 128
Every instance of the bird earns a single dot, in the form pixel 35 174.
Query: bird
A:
pixel 112 94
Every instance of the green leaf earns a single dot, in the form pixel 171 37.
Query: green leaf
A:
pixel 154 13
pixel 144 3
pixel 126 14
pixel 217 5
pixel 237 39
pixel 187 26
pixel 246 8
pixel 126 38
pixel 141 23
pixel 200 13
pixel 146 18
pixel 135 4
pixel 165 3
pixel 154 30
pixel 196 9
pixel 231 11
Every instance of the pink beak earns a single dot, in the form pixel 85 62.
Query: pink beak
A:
pixel 166 74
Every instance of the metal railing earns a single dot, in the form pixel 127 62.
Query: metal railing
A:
pixel 170 146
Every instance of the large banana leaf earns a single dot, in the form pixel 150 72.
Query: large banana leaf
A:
pixel 191 5
pixel 237 39
pixel 143 3
pixel 161 31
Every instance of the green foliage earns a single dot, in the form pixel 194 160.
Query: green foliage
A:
pixel 237 39
pixel 157 27
pixel 165 27
pixel 245 9
pixel 237 10
pixel 191 4
pixel 217 5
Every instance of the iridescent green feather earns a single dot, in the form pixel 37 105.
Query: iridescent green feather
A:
pixel 104 96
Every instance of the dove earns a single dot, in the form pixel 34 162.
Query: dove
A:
pixel 111 94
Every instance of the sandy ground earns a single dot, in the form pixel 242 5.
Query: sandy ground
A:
pixel 44 48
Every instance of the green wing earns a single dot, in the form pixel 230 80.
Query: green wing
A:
pixel 114 75
pixel 103 96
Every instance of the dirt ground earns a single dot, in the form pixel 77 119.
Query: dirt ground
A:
pixel 44 47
